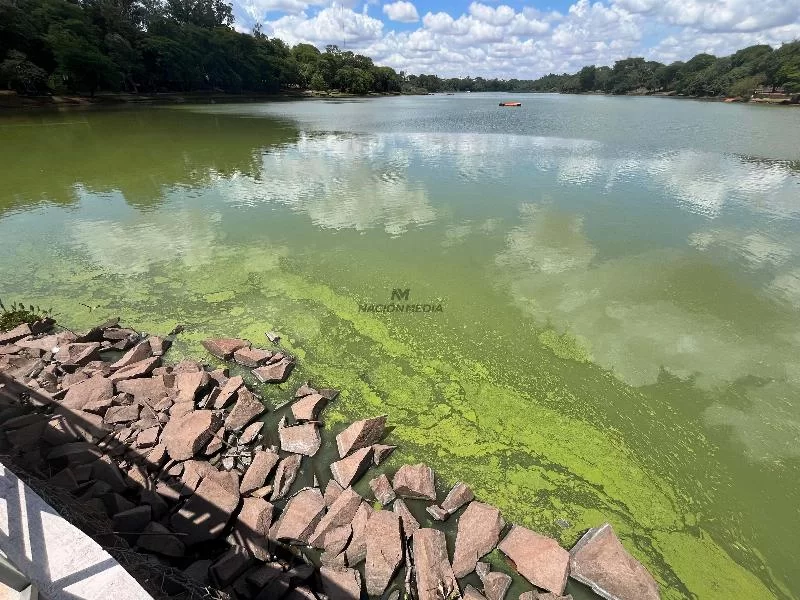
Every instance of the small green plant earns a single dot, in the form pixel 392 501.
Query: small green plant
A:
pixel 18 313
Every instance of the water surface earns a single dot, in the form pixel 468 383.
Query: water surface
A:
pixel 619 279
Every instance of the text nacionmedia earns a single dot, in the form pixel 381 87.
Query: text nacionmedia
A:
pixel 408 308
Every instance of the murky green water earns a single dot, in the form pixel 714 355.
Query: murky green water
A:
pixel 619 279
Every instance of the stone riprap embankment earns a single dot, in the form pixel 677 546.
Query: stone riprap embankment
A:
pixel 180 459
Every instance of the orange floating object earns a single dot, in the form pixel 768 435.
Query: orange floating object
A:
pixel 511 104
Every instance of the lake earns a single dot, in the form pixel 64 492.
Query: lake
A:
pixel 619 282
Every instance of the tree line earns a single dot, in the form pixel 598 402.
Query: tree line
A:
pixel 190 45
pixel 164 46
pixel 704 75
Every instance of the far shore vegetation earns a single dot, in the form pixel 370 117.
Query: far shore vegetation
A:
pixel 190 46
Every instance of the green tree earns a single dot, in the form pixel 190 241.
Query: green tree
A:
pixel 21 75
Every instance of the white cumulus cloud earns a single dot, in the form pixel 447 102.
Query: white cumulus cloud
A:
pixel 401 11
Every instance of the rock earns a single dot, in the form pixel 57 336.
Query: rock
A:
pixel 157 456
pixel 600 561
pixel 308 407
pixel 340 513
pixel 334 541
pixel 15 334
pixel 537 558
pixel 285 475
pixel 251 357
pixel 300 439
pixel 116 503
pixel 415 481
pixel 190 384
pixel 224 347
pixel 65 479
pixel 147 438
pixel 460 495
pixel 88 391
pixel 262 492
pixel 148 391
pixel 384 550
pixel 432 567
pixel 227 394
pixel 357 549
pixel 380 452
pixel 157 538
pixel 186 436
pixel 28 436
pixel 122 414
pixel 75 452
pixel 261 576
pixel 341 583
pixel 133 520
pixel 158 345
pixel 470 593
pixel 198 571
pixel 348 470
pixel 437 512
pixel 479 529
pixel 139 369
pixel 106 470
pixel 208 510
pixel 229 566
pixel 304 390
pixel 139 352
pixel 329 394
pixel 495 585
pixel 247 408
pixel 482 569
pixel 77 353
pixel 382 489
pixel 251 432
pixel 275 373
pixel 252 527
pixel 180 409
pixel 332 492
pixel 410 523
pixel 259 470
pixel 300 517
pixel 360 435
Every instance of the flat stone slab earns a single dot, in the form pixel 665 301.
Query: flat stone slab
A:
pixel 300 517
pixel 410 523
pixel 88 391
pixel 160 540
pixel 600 561
pixel 300 439
pixel 341 583
pixel 309 407
pixel 339 514
pixel 139 352
pixel 332 492
pixel 380 452
pixel 460 495
pixel 539 559
pixel 224 347
pixel 435 578
pixel 495 585
pixel 415 481
pixel 285 475
pixel 186 436
pixel 276 372
pixel 207 512
pixel 479 528
pixel 247 408
pixel 382 489
pixel 348 470
pixel 360 435
pixel 384 551
pixel 252 527
pixel 251 357
pixel 264 461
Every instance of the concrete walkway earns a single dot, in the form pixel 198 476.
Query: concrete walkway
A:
pixel 62 562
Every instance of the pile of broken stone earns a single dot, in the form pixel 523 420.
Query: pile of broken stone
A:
pixel 177 456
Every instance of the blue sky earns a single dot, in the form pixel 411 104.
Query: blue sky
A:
pixel 523 38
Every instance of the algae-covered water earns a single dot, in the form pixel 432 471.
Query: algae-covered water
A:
pixel 619 281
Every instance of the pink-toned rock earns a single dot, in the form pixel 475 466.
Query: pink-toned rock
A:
pixel 308 407
pixel 147 438
pixel 300 517
pixel 332 491
pixel 300 439
pixel 45 344
pixel 138 353
pixel 341 583
pixel 360 435
pixel 247 408
pixel 193 473
pixel 78 354
pixel 228 393
pixel 149 391
pixel 186 436
pixel 15 334
pixel 252 527
pixel 340 513
pixel 384 551
pixel 334 541
pixel 189 384
pixel 96 389
pixel 600 561
pixel 357 549
pixel 251 357
pixel 382 489
pixel 138 369
pixel 285 475
pixel 251 432
pixel 415 481
pixel 410 523
pixel 495 585
pixel 180 409
pixel 537 558
pixel 157 538
pixel 304 390
pixel 432 567
pixel 276 372
pixel 224 347
pixel 470 593
pixel 460 495
pixel 207 512
pixel 348 470
pixel 122 414
pixel 479 529
pixel 380 452
pixel 259 470
pixel 158 345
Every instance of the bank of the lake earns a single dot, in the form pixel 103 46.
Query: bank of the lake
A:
pixel 617 277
